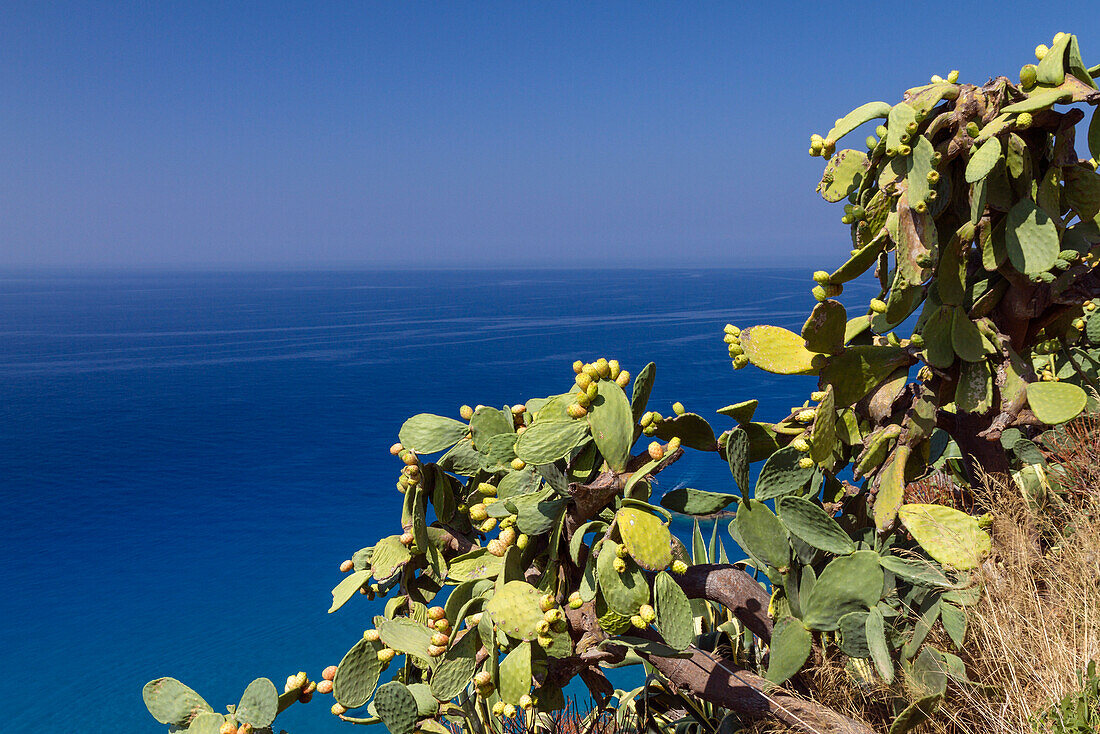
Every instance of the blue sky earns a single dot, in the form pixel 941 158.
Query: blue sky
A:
pixel 265 134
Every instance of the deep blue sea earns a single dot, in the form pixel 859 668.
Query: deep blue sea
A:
pixel 187 457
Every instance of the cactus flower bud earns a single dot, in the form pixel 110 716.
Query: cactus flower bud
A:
pixel 800 444
pixel 546 641
pixel 805 462
pixel 623 379
pixel 620 565
pixel 386 654
pixel 741 361
pixel 953 76
pixel 679 567
pixel 1023 120
pixel 329 673
pixel 1090 306
pixel 936 79
pixel 638 622
pixel 498 708
pixel 575 601
pixel 324 687
pixel 656 451
pixel 525 701
pixel 518 464
pixel 547 602
pixel 818 291
pixel 338 710
pixel 818 395
pixel 1040 51
pixel 483 678
pixel 878 305
pixel 346 566
pixel 731 329
pixel 372 635
pixel 521 541
pixel 647 613
pixel 673 444
pixel 972 129
pixel 509 711
pixel 678 408
pixel 805 416
pixel 1079 324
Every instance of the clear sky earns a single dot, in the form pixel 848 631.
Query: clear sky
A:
pixel 458 133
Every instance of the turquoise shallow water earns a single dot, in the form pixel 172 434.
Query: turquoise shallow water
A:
pixel 187 457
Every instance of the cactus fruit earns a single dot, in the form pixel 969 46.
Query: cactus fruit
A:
pixel 338 709
pixel 498 708
pixel 623 379
pixel 386 654
pixel 1041 51
pixel 346 566
pixel 324 687
pixel 679 567
pixel 656 451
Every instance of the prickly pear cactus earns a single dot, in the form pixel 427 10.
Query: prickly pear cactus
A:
pixel 536 541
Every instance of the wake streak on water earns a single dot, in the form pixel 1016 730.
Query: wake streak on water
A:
pixel 188 457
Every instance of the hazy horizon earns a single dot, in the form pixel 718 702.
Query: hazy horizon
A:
pixel 440 135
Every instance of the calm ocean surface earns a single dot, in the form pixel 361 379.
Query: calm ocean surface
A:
pixel 186 458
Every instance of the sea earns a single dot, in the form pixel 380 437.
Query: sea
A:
pixel 187 457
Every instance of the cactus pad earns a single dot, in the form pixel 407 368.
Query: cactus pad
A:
pixel 347 588
pixel 487 423
pixel 983 159
pixel 823 433
pixel 171 702
pixel 843 175
pixel 859 116
pixel 1056 402
pixel 853 635
pixel 777 350
pixel 857 370
pixel 738 456
pixel 674 618
pixel 692 430
pixel 790 646
pixel 891 488
pixel 425 433
pixel 643 386
pixel 396 706
pixel 475 565
pixel 764 536
pixel 547 441
pixel 688 501
pixel 612 424
pixel 951 537
pixel 609 620
pixel 624 592
pixel 515 673
pixel 813 526
pixel 848 584
pixel 646 537
pixel 1031 238
pixel 259 704
pixel 823 331
pixel 782 474
pixel 407 636
pixel 207 723
pixel 357 674
pixel 515 609
pixel 388 558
